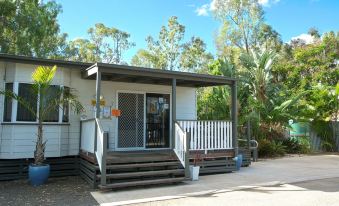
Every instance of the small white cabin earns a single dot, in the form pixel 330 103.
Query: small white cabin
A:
pixel 139 109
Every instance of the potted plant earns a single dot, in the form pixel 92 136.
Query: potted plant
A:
pixel 195 168
pixel 42 78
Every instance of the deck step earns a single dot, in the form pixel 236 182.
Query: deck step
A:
pixel 143 174
pixel 142 165
pixel 139 159
pixel 142 183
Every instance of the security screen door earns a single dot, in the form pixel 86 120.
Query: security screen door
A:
pixel 131 123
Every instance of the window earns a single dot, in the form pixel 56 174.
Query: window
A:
pixel 60 113
pixel 23 114
pixel 51 93
pixel 8 104
pixel 65 107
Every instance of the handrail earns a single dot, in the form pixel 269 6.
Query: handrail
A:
pixel 87 120
pixel 101 149
pixel 195 120
pixel 181 148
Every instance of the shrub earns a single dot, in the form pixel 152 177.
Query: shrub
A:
pixel 292 145
pixel 305 145
pixel 271 148
pixel 297 145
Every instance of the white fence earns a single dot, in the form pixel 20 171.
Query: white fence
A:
pixel 208 135
pixel 180 143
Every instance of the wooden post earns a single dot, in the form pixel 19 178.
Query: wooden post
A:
pixel 174 109
pixel 248 132
pixel 97 98
pixel 234 117
pixel 187 155
pixel 97 104
pixel 80 136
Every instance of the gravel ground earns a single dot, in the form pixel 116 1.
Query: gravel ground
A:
pixel 57 191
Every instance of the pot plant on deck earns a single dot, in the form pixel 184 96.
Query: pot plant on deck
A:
pixel 195 168
pixel 49 98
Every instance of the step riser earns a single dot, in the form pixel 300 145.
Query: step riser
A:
pixel 143 174
pixel 141 183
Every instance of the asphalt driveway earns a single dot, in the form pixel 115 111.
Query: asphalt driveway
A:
pixel 266 182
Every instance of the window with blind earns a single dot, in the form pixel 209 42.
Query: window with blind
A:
pixel 53 114
pixel 23 114
pixel 65 107
pixel 25 92
pixel 8 104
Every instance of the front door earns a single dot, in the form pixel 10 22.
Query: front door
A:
pixel 131 123
pixel 157 120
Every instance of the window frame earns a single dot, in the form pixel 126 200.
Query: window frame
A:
pixel 14 111
pixel 8 103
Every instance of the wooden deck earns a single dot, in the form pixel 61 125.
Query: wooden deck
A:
pixel 114 157
pixel 150 167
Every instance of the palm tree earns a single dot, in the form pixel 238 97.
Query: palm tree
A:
pixel 258 72
pixel 42 78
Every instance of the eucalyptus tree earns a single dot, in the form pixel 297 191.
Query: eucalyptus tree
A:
pixel 164 52
pixel 267 38
pixel 31 28
pixel 194 57
pixel 104 45
pixel 170 52
pixel 241 20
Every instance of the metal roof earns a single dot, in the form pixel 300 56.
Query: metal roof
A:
pixel 125 73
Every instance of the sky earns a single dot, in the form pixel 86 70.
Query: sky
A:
pixel 141 18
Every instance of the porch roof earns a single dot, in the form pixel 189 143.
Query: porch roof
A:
pixel 132 74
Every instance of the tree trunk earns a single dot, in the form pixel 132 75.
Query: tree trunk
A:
pixel 39 155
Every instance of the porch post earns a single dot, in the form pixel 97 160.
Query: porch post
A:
pixel 97 90
pixel 234 117
pixel 97 104
pixel 174 109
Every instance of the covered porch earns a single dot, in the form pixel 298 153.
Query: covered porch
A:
pixel 167 141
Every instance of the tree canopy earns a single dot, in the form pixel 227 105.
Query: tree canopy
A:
pixel 169 52
pixel 31 28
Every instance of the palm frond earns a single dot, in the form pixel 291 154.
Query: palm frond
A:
pixel 43 76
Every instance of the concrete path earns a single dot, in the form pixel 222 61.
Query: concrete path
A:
pixel 260 174
pixel 307 193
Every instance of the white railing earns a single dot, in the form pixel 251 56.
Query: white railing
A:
pixel 94 140
pixel 208 135
pixel 101 150
pixel 87 135
pixel 180 148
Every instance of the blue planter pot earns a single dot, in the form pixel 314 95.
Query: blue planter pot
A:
pixel 238 160
pixel 38 174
